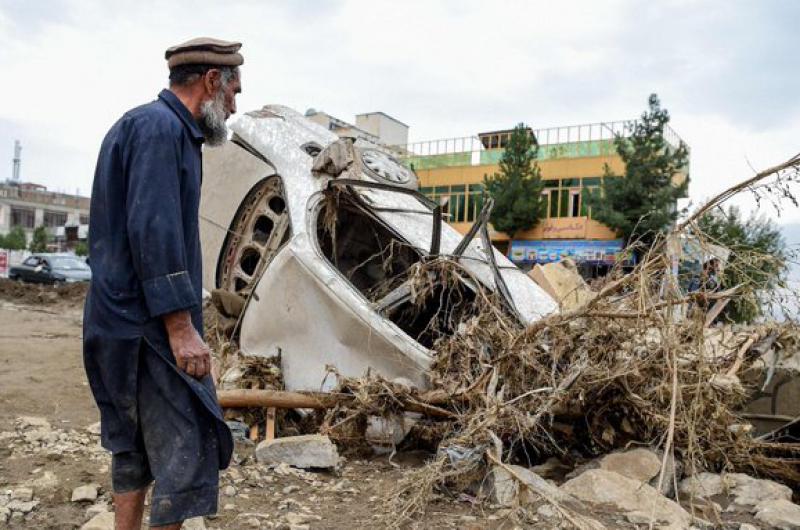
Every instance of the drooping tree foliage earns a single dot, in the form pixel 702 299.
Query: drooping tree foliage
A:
pixel 758 259
pixel 642 202
pixel 517 187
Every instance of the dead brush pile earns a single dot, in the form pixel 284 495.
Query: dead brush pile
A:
pixel 631 367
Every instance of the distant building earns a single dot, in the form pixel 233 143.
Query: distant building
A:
pixel 376 127
pixel 29 205
pixel 572 159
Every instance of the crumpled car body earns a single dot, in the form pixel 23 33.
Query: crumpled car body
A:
pixel 310 250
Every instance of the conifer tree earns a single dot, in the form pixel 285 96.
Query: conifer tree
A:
pixel 517 187
pixel 642 202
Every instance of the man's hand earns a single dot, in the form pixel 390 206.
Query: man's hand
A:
pixel 191 353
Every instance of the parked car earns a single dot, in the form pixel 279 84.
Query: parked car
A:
pixel 317 234
pixel 51 268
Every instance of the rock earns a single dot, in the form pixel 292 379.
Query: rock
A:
pixel 637 464
pixel 95 509
pixel 545 511
pixel 5 515
pixel 229 491
pixel 704 485
pixel 631 497
pixel 87 492
pixel 748 526
pixel 94 429
pixel 535 486
pixel 309 451
pixel 22 506
pixel 288 490
pixel 779 513
pixel 195 523
pixel 101 521
pixel 749 492
pixel 34 421
pixel 500 486
pixel 295 519
pixel 22 494
pixel 47 481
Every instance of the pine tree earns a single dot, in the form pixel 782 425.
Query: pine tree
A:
pixel 642 202
pixel 39 240
pixel 517 187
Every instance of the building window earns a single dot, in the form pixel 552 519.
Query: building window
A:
pixel 84 219
pixel 23 217
pixel 53 219
pixel 461 202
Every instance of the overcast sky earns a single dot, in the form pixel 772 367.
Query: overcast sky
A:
pixel 726 70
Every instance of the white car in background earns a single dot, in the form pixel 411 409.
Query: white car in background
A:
pixel 314 250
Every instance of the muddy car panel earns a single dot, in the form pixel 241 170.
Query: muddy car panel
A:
pixel 303 304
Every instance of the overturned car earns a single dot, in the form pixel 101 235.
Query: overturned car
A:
pixel 320 237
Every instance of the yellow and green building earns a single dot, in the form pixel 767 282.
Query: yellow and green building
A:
pixel 572 158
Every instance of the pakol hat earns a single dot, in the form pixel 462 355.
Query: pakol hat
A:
pixel 206 51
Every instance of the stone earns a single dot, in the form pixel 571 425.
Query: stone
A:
pixel 562 281
pixel 94 429
pixel 288 490
pixel 294 518
pixel 631 497
pixel 545 511
pixel 500 487
pixel 34 421
pixel 101 521
pixel 749 492
pixel 637 464
pixel 22 494
pixel 309 451
pixel 47 481
pixel 748 526
pixel 95 509
pixel 779 513
pixel 704 485
pixel 195 523
pixel 229 491
pixel 22 506
pixel 87 492
pixel 5 515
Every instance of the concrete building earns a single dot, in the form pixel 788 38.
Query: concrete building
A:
pixel 30 205
pixel 571 159
pixel 376 127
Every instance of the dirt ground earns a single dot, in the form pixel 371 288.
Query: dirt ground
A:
pixel 42 376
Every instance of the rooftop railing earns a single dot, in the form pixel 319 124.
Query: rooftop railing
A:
pixel 573 141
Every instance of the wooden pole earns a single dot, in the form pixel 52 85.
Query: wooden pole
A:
pixel 282 399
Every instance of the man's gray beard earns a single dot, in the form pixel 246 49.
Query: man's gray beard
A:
pixel 212 120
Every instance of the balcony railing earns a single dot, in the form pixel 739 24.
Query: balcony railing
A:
pixel 574 141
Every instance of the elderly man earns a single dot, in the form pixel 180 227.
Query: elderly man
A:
pixel 146 362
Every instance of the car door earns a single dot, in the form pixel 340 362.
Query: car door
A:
pixel 27 269
pixel 44 272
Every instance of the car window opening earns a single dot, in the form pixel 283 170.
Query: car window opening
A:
pixel 378 263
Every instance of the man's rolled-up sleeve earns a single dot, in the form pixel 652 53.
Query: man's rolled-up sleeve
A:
pixel 155 226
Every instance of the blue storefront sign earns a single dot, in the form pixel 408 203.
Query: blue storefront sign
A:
pixel 580 251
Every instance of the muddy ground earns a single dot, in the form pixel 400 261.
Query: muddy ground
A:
pixel 42 376
pixel 49 443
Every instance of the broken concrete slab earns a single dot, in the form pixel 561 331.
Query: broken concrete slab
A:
pixel 779 513
pixel 562 281
pixel 631 497
pixel 101 521
pixel 22 494
pixel 309 451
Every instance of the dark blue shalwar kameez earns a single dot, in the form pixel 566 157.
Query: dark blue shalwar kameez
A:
pixel 159 423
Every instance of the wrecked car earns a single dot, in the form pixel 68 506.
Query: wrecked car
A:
pixel 318 236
